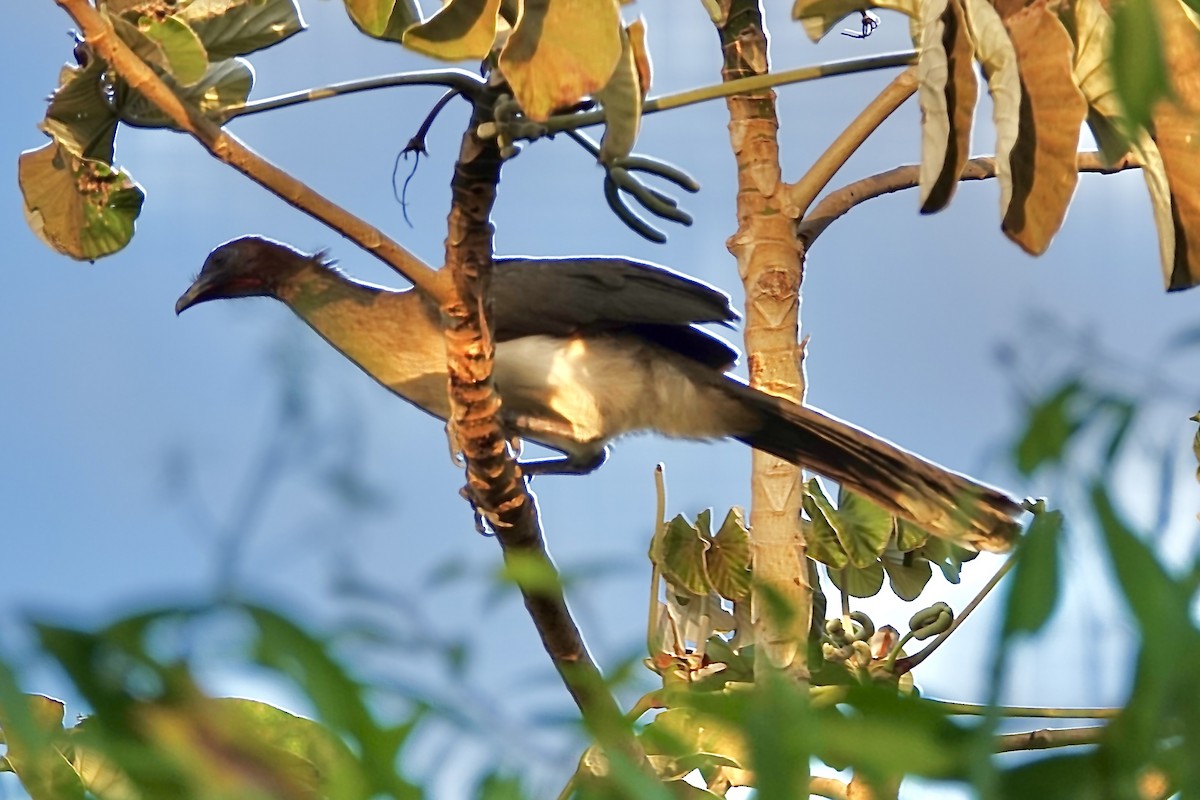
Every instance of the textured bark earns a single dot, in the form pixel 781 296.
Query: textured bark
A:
pixel 769 262
pixel 494 481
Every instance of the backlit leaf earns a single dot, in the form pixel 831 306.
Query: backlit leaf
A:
pixel 81 208
pixel 728 559
pixel 683 548
pixel 460 30
pixel 1043 160
pixel 383 19
pixel 823 544
pixel 1091 30
pixel 907 574
pixel 819 17
pixel 865 582
pixel 561 52
pixel 863 528
pixel 236 27
pixel 227 83
pixel 947 92
pixel 996 54
pixel 186 58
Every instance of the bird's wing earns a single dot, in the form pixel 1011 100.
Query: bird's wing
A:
pixel 559 296
pixel 563 296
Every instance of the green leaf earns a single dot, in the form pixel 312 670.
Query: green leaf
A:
pixel 383 19
pixel 864 582
pixel 946 556
pixel 227 83
pixel 907 574
pixel 236 27
pixel 80 117
pixel 863 528
pixel 1052 424
pixel 823 544
pixel 32 728
pixel 1035 580
pixel 728 560
pixel 683 552
pixel 82 208
pixel 1064 777
pixel 186 60
pixel 1139 69
pixel 893 735
pixel 909 535
pixel 461 30
pixel 779 729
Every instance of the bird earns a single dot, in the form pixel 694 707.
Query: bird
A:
pixel 589 349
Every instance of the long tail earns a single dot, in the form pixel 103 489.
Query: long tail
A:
pixel 946 504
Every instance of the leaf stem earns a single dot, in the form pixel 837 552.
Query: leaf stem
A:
pixel 738 86
pixel 1026 712
pixel 461 80
pixel 805 190
pixel 1049 738
pixel 907 664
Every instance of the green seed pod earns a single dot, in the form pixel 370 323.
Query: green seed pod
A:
pixel 931 621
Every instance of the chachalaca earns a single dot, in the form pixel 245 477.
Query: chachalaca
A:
pixel 589 349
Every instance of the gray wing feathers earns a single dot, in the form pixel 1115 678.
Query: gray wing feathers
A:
pixel 561 296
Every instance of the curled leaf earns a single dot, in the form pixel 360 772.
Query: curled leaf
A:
pixel 947 92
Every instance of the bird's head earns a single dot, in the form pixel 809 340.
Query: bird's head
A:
pixel 252 266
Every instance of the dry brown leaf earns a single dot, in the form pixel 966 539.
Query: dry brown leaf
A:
pixel 561 52
pixel 947 91
pixel 1043 160
pixel 1177 135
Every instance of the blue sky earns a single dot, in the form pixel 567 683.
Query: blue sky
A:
pixel 107 398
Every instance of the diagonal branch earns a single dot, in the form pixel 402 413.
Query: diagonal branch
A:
pixel 835 204
pixel 1048 738
pixel 228 149
pixel 804 191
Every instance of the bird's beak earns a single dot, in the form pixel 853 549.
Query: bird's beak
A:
pixel 197 293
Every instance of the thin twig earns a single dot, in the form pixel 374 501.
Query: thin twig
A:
pixel 229 150
pixel 459 80
pixel 908 663
pixel 739 86
pixel 804 191
pixel 828 787
pixel 1025 712
pixel 835 204
pixel 1049 738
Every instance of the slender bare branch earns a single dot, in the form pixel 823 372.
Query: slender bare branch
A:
pixel 1031 712
pixel 464 82
pixel 828 787
pixel 229 150
pixel 908 663
pixel 1048 738
pixel 804 191
pixel 835 204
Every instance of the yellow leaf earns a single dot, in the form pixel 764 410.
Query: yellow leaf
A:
pixel 947 91
pixel 641 56
pixel 461 30
pixel 560 52
pixel 1044 171
pixel 820 16
pixel 995 52
pixel 1091 30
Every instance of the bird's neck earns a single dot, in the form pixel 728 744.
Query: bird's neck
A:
pixel 393 336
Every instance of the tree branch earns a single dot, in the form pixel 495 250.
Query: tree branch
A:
pixel 1048 738
pixel 828 787
pixel 494 481
pixel 1029 712
pixel 804 191
pixel 835 204
pixel 908 663
pixel 771 267
pixel 466 83
pixel 228 149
